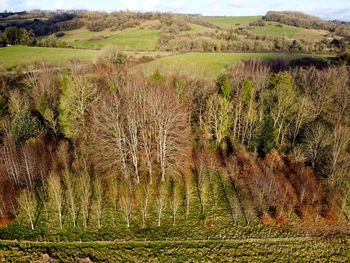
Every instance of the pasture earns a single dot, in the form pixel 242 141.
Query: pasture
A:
pixel 132 39
pixel 231 21
pixel 12 56
pixel 210 64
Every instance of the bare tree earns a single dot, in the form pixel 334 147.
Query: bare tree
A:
pixel 218 118
pixel 98 191
pixel 339 158
pixel 171 129
pixel 110 144
pixel 114 195
pixel 127 199
pixel 188 193
pixel 70 184
pixel 147 139
pixel 143 197
pixel 10 158
pixel 28 204
pixel 84 196
pixel 316 143
pixel 160 198
pixel 175 197
pixel 56 195
pixel 304 114
pixel 132 138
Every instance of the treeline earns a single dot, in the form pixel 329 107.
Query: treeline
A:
pixel 244 41
pixel 97 145
pixel 15 36
pixel 299 19
pixel 54 23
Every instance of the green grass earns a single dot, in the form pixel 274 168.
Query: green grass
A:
pixel 83 34
pixel 270 28
pixel 310 34
pixel 128 39
pixel 15 55
pixel 200 29
pixel 231 21
pixel 209 63
pixel 263 250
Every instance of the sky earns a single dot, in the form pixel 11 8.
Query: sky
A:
pixel 326 9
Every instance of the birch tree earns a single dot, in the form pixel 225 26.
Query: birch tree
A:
pixel 56 196
pixel 28 205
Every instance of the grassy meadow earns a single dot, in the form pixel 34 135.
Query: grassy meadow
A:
pixel 272 29
pixel 200 29
pixel 12 56
pixel 84 34
pixel 231 21
pixel 139 39
pixel 210 64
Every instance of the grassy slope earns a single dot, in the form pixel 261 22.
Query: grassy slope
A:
pixel 83 34
pixel 211 63
pixel 15 55
pixel 231 21
pixel 129 39
pixel 264 250
pixel 310 34
pixel 270 28
pixel 200 29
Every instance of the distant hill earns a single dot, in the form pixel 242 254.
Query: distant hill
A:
pixel 296 19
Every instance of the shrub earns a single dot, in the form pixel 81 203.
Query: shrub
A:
pixel 113 55
pixel 25 126
pixel 59 34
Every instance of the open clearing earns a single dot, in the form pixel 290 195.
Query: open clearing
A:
pixel 15 55
pixel 304 249
pixel 231 21
pixel 272 28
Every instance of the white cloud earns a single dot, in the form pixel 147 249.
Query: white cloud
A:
pixel 150 5
pixel 240 3
pixel 174 6
pixel 11 5
pixel 65 5
pixel 30 5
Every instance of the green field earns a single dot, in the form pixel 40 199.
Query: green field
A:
pixel 210 64
pixel 310 34
pixel 272 29
pixel 250 250
pixel 84 34
pixel 231 21
pixel 128 39
pixel 200 29
pixel 15 55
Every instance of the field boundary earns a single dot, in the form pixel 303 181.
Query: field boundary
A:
pixel 121 241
